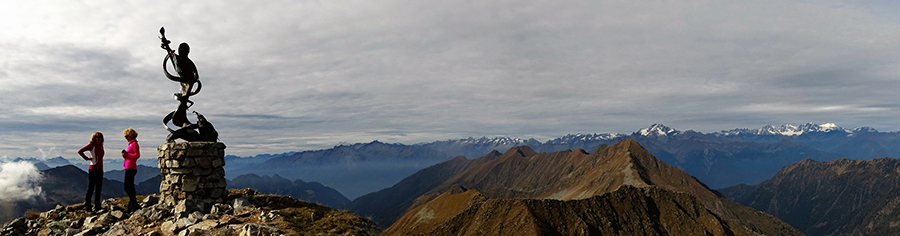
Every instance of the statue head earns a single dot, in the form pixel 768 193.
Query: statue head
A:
pixel 184 49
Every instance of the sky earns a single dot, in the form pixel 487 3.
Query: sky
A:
pixel 282 76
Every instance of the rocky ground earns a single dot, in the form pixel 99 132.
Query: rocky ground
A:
pixel 244 212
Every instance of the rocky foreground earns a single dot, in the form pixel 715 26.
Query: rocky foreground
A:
pixel 244 212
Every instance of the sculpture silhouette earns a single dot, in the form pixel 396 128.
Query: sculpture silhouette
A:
pixel 187 71
pixel 187 76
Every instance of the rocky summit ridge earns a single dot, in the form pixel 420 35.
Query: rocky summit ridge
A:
pixel 618 190
pixel 627 211
pixel 244 212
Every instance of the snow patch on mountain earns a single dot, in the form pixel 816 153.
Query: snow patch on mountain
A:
pixel 657 130
pixel 493 141
pixel 792 130
pixel 573 138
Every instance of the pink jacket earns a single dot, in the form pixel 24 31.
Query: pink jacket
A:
pixel 132 153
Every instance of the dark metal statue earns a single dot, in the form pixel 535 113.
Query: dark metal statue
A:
pixel 187 76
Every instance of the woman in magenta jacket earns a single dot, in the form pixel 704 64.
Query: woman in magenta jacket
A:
pixel 95 170
pixel 131 154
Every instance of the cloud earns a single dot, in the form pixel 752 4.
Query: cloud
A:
pixel 291 75
pixel 19 181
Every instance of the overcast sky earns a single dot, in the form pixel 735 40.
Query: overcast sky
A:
pixel 283 76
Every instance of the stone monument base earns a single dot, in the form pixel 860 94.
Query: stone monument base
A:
pixel 192 171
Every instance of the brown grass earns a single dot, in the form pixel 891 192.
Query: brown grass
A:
pixel 32 214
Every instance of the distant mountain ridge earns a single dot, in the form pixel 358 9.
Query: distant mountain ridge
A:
pixel 719 159
pixel 312 192
pixel 626 190
pixel 791 130
pixel 144 173
pixel 40 163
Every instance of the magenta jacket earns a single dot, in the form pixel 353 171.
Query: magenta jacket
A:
pixel 96 155
pixel 132 153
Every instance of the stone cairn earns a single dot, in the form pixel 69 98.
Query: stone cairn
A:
pixel 192 171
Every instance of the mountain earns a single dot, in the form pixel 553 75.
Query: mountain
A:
pixel 657 130
pixel 144 173
pixel 363 168
pixel 791 130
pixel 311 192
pixel 727 164
pixel 41 163
pixel 56 161
pixel 628 210
pixel 149 186
pixel 570 177
pixel 243 212
pixel 41 166
pixel 838 197
pixel 393 202
pixel 236 164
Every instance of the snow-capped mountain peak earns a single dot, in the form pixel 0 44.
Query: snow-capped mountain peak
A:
pixel 791 130
pixel 493 141
pixel 657 130
pixel 572 138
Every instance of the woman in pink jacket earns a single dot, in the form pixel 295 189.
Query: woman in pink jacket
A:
pixel 95 170
pixel 131 154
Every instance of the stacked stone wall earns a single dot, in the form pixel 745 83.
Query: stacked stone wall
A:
pixel 192 171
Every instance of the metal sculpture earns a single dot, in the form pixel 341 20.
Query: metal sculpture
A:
pixel 188 77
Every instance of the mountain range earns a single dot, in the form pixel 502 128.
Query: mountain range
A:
pixel 620 189
pixel 719 159
pixel 40 163
pixel 311 192
pixel 838 197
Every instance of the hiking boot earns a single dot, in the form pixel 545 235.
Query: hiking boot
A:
pixel 133 206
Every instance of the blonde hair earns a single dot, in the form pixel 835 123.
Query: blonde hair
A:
pixel 96 135
pixel 130 132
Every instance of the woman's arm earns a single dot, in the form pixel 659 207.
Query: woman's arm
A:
pixel 84 149
pixel 132 152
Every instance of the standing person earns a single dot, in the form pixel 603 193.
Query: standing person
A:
pixel 131 154
pixel 95 170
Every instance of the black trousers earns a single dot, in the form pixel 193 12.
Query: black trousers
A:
pixel 95 186
pixel 129 185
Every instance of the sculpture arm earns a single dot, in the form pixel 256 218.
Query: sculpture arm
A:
pixel 168 75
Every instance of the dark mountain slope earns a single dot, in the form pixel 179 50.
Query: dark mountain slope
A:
pixel 626 211
pixel 386 205
pixel 312 192
pixel 839 197
pixel 144 173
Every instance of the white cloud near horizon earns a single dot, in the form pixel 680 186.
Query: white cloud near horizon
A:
pixel 19 181
pixel 284 76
